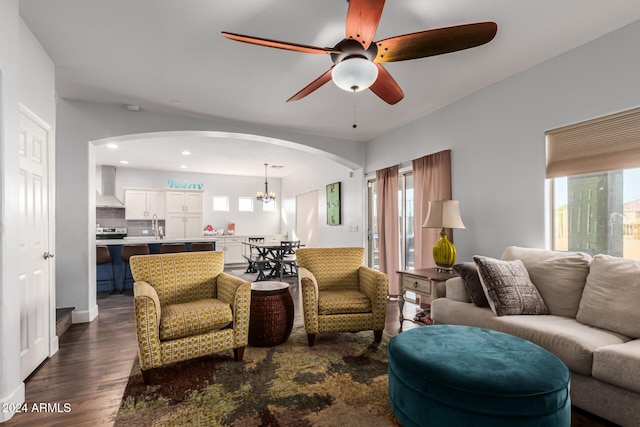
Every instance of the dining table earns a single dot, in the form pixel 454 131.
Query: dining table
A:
pixel 267 261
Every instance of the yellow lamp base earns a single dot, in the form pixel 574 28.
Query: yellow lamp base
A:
pixel 444 253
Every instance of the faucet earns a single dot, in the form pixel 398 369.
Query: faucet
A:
pixel 154 225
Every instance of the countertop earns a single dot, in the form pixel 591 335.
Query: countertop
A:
pixel 137 240
pixel 151 239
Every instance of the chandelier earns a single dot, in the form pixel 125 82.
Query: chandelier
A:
pixel 265 196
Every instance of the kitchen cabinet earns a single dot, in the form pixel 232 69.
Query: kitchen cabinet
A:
pixel 143 204
pixel 183 225
pixel 233 249
pixel 183 201
pixel 183 214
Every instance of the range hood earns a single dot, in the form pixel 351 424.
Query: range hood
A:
pixel 108 197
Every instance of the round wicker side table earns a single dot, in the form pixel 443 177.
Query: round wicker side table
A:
pixel 271 318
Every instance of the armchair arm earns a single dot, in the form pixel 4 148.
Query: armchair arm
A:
pixel 147 310
pixel 237 293
pixel 309 292
pixel 375 284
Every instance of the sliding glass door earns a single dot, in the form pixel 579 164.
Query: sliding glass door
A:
pixel 405 222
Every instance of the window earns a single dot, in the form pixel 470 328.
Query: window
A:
pixel 594 167
pixel 405 222
pixel 405 211
pixel 221 203
pixel 598 213
pixel 245 204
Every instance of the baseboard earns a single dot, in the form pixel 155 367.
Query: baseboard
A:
pixel 11 403
pixel 85 316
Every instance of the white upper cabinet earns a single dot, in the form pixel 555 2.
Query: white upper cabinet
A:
pixel 143 204
pixel 183 201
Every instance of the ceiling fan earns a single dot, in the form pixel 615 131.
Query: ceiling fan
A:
pixel 357 57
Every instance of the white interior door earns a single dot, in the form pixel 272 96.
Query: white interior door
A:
pixel 307 218
pixel 34 278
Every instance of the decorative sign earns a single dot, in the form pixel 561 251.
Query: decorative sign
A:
pixel 174 183
pixel 333 204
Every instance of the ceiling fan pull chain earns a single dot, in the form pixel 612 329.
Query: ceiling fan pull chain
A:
pixel 354 108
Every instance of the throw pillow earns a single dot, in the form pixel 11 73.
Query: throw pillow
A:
pixel 469 274
pixel 558 276
pixel 508 287
pixel 611 296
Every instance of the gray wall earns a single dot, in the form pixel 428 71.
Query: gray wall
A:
pixel 497 138
pixel 256 222
pixel 27 78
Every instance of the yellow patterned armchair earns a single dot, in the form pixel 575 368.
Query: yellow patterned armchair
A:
pixel 186 307
pixel 339 293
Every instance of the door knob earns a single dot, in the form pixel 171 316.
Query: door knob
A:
pixel 47 255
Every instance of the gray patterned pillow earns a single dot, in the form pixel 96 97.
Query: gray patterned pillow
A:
pixel 508 287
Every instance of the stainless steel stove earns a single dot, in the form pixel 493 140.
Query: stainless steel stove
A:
pixel 104 233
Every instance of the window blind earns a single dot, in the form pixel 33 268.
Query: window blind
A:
pixel 603 144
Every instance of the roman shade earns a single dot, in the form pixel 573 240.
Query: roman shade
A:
pixel 607 143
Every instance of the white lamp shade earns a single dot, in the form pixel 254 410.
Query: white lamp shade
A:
pixel 354 74
pixel 443 214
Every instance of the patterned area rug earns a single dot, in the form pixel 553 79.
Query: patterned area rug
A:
pixel 341 381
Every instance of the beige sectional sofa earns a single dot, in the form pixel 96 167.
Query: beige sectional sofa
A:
pixel 592 325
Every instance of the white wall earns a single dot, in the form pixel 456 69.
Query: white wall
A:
pixel 256 222
pixel 317 177
pixel 26 76
pixel 497 138
pixel 82 122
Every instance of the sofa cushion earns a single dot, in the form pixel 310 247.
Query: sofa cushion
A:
pixel 193 318
pixel 469 274
pixel 558 276
pixel 611 296
pixel 573 342
pixel 508 287
pixel 343 302
pixel 618 365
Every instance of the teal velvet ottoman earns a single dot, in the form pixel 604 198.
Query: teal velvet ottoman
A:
pixel 446 375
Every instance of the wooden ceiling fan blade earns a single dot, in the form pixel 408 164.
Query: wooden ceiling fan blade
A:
pixel 311 87
pixel 386 87
pixel 362 20
pixel 279 44
pixel 435 42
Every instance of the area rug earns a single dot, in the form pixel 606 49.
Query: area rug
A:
pixel 341 381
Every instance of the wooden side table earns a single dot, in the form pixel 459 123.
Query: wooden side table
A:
pixel 427 282
pixel 271 318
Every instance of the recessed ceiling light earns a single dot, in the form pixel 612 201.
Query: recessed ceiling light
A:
pixel 133 107
pixel 112 145
pixel 183 166
pixel 186 152
pixel 124 162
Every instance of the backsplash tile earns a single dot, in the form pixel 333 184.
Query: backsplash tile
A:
pixel 114 217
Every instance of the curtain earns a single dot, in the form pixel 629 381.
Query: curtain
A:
pixel 431 181
pixel 387 210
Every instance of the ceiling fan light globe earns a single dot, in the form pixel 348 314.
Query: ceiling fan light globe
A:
pixel 354 74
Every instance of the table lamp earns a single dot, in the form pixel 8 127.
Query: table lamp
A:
pixel 444 214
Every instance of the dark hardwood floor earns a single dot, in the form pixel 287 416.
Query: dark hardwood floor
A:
pixel 91 368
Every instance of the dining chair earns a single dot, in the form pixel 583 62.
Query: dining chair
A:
pixel 288 263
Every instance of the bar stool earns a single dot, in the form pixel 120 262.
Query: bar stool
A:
pixel 201 246
pixel 169 248
pixel 103 262
pixel 127 252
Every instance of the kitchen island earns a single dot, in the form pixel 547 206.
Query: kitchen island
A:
pixel 231 245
